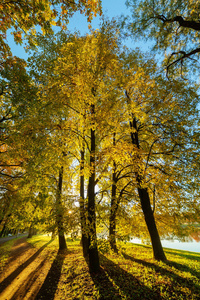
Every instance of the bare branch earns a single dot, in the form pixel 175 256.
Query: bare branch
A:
pixel 182 23
pixel 180 59
pixel 148 157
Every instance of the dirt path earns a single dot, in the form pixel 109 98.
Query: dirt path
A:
pixel 8 238
pixel 45 273
pixel 25 272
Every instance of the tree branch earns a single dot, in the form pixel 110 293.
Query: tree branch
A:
pixel 182 23
pixel 180 59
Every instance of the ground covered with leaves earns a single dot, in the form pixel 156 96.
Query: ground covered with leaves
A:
pixel 34 269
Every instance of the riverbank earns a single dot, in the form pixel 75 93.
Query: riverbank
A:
pixel 36 270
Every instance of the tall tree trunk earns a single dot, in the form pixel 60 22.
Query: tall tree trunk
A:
pixel 30 231
pixel 59 212
pixel 151 224
pixel 92 250
pixel 113 208
pixel 53 234
pixel 84 238
pixel 2 233
pixel 145 202
pixel 113 212
pixel 4 221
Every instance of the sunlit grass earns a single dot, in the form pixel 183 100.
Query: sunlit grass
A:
pixel 40 240
pixel 132 274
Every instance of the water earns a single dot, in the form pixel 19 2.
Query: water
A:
pixel 175 244
pixel 188 246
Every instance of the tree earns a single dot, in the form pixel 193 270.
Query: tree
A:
pixel 87 92
pixel 23 16
pixel 121 181
pixel 80 81
pixel 31 139
pixel 173 25
pixel 83 209
pixel 6 203
pixel 160 138
pixel 17 96
pixel 59 212
pixel 16 90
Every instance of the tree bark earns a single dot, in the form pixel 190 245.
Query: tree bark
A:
pixel 84 238
pixel 151 224
pixel 92 240
pixel 182 22
pixel 30 231
pixel 113 208
pixel 5 220
pixel 113 213
pixel 53 234
pixel 2 233
pixel 59 212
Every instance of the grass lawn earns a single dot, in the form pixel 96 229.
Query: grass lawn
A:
pixel 132 274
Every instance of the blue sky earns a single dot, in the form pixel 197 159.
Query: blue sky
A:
pixel 111 8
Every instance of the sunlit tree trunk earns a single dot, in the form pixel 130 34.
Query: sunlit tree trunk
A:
pixel 2 233
pixel 151 224
pixel 113 212
pixel 4 221
pixel 53 234
pixel 84 238
pixel 113 208
pixel 146 204
pixel 59 212
pixel 92 250
pixel 30 231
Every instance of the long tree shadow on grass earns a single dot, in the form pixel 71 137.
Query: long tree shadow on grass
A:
pixel 7 281
pixel 105 286
pixel 184 282
pixel 49 287
pixel 23 249
pixel 183 268
pixel 114 282
pixel 178 266
pixel 30 280
pixel 192 256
